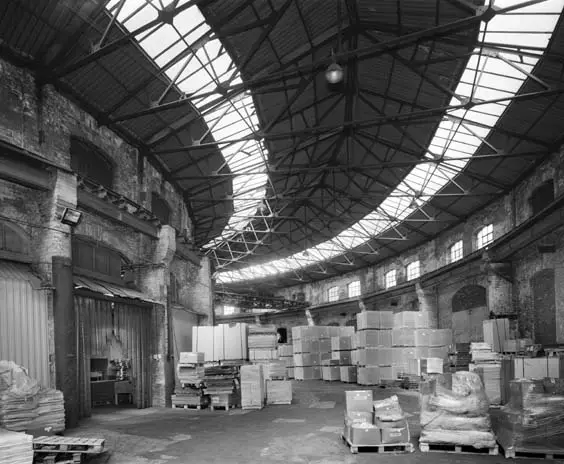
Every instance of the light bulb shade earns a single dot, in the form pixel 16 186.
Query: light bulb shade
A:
pixel 334 73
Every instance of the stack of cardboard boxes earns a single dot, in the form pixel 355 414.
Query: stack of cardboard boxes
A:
pixel 369 423
pixel 286 355
pixel 253 392
pixel 341 351
pixel 373 346
pixel 415 336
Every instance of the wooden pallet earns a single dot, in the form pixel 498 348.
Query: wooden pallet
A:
pixel 55 444
pixel 223 406
pixel 54 459
pixel 459 449
pixel 188 406
pixel 533 453
pixel 392 448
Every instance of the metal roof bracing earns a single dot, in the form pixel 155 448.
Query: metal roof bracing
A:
pixel 444 106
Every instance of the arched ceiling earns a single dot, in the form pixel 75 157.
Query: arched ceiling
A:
pixel 274 161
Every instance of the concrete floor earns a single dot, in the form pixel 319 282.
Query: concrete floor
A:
pixel 308 431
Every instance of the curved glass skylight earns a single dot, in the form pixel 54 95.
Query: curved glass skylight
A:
pixel 490 75
pixel 195 60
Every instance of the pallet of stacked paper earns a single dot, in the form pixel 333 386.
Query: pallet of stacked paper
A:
pixel 306 349
pixel 190 368
pixel 373 342
pixel 262 337
pixel 252 386
pixel 278 392
pixel 262 355
pixel 15 447
pixel 348 374
pixel 50 411
pixel 415 337
pixel 487 363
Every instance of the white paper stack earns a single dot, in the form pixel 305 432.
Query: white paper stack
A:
pixel 15 447
pixel 275 370
pixel 278 392
pixel 190 374
pixel 50 411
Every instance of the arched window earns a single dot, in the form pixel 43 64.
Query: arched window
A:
pixel 97 258
pixel 542 196
pixel 160 208
pixel 13 241
pixel 89 162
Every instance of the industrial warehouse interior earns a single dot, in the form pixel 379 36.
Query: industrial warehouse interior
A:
pixel 287 231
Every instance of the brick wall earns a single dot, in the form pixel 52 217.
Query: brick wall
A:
pixel 42 121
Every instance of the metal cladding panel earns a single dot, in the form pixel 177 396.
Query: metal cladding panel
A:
pixel 99 322
pixel 24 331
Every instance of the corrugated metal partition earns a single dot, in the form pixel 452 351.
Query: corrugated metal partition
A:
pixel 24 327
pixel 99 322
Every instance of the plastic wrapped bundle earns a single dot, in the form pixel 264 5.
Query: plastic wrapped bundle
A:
pixel 533 417
pixel 454 410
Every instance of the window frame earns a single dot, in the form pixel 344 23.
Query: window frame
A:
pixel 482 235
pixel 333 294
pixel 453 250
pixel 353 289
pixel 408 270
pixel 387 281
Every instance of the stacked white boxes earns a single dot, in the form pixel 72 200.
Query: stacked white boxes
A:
pixel 341 352
pixel 311 346
pixel 415 336
pixel 373 346
pixel 487 363
pixel 286 355
pixel 221 342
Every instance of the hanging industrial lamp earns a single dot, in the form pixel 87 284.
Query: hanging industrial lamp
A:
pixel 334 73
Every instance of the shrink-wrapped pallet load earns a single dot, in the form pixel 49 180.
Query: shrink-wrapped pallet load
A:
pixel 278 392
pixel 252 387
pixel 15 447
pixel 533 420
pixel 457 415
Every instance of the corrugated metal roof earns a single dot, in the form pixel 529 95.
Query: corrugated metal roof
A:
pixel 111 290
pixel 10 270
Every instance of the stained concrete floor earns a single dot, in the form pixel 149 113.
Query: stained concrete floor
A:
pixel 308 431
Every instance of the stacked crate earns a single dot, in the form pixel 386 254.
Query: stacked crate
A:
pixel 252 387
pixel 262 343
pixel 286 355
pixel 415 336
pixel 373 342
pixel 190 372
pixel 341 351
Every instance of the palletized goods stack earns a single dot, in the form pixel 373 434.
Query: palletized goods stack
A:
pixel 415 337
pixel 15 447
pixel 459 357
pixel 190 368
pixel 286 355
pixel 454 411
pixel 373 346
pixel 262 342
pixel 221 385
pixel 341 351
pixel 275 370
pixel 252 387
pixel 25 405
pixel 487 363
pixel 533 419
pixel 278 392
pixel 222 342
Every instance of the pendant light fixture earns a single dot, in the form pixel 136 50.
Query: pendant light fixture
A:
pixel 335 73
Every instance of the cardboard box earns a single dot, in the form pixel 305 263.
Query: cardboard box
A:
pixel 386 319
pixel 330 373
pixel 325 345
pixel 388 373
pixel 415 320
pixel 343 357
pixel 375 338
pixel 368 375
pixel 303 359
pixel 358 401
pixel 190 357
pixel 341 343
pixel 301 346
pixel 348 374
pixel 496 331
pixel 368 320
pixel 365 435
pixel 396 424
pixel 307 373
pixel 395 435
